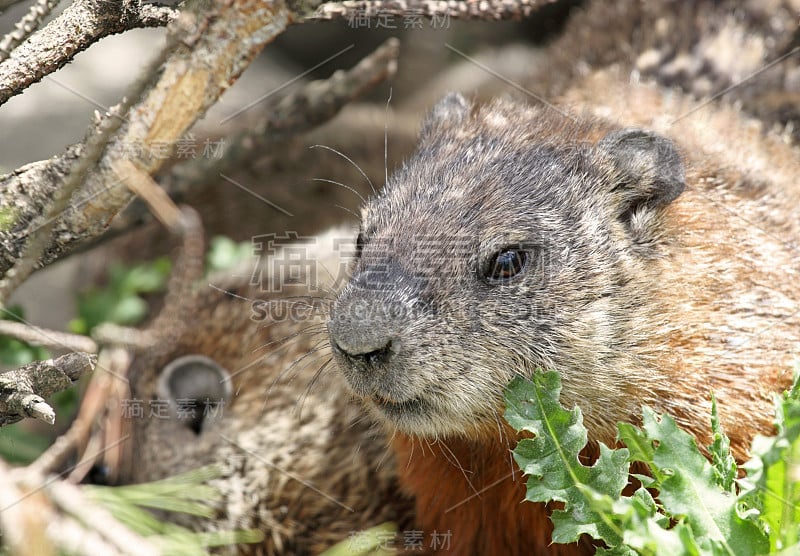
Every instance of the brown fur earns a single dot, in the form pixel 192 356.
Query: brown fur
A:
pixel 472 489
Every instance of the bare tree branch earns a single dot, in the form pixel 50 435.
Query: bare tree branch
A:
pixel 47 338
pixel 78 27
pixel 47 515
pixel 492 10
pixel 211 49
pixel 112 366
pixel 183 222
pixel 22 391
pixel 215 46
pixel 23 516
pixel 75 174
pixel 26 26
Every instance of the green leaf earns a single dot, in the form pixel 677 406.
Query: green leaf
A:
pixel 145 277
pixel 130 309
pixel 640 448
pixel 696 511
pixel 689 489
pixel 722 460
pixel 224 253
pixel 551 460
pixel 773 475
pixel 119 302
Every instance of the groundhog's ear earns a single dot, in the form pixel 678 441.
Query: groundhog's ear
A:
pixel 449 111
pixel 648 168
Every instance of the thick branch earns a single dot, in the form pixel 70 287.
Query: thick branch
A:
pixel 22 391
pixel 311 105
pixel 491 10
pixel 78 27
pixel 213 48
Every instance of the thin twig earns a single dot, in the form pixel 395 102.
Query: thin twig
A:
pixel 312 105
pixel 188 268
pixel 33 248
pixel 208 49
pixel 112 364
pixel 52 339
pixel 145 187
pixel 29 23
pixel 79 26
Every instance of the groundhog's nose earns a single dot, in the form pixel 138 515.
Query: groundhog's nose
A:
pixel 369 351
pixel 362 333
pixel 367 325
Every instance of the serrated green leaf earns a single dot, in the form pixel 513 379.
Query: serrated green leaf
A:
pixel 640 447
pixel 550 460
pixel 698 512
pixel 689 488
pixel 648 531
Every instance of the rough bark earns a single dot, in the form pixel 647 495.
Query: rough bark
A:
pixel 22 391
pixel 76 29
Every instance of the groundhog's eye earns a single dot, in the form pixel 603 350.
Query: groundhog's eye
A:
pixel 506 264
pixel 359 245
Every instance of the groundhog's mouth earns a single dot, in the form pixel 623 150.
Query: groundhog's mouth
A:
pixel 393 409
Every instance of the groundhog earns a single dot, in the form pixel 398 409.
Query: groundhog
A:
pixel 244 387
pixel 650 258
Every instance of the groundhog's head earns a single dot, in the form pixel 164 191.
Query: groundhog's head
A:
pixel 507 244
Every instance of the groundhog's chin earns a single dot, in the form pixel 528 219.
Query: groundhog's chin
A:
pixel 414 409
pixel 423 417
